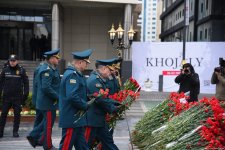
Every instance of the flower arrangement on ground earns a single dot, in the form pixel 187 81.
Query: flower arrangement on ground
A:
pixel 198 126
pixel 159 115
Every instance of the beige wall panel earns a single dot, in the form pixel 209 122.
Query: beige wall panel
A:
pixel 77 46
pixel 67 27
pixel 88 28
pixel 80 38
pixel 67 38
pixel 80 29
pixel 67 50
pixel 99 20
pixel 99 29
pixel 99 38
pixel 98 12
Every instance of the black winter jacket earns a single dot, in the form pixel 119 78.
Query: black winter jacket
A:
pixel 190 83
pixel 14 83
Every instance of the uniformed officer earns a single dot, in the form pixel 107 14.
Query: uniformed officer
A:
pixel 113 85
pixel 48 81
pixel 15 87
pixel 73 98
pixel 35 135
pixel 97 112
pixel 112 81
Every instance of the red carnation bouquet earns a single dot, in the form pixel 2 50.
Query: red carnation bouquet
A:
pixel 131 84
pixel 128 94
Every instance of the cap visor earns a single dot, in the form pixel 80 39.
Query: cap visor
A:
pixel 13 59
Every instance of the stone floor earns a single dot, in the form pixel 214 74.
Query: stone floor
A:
pixel 146 101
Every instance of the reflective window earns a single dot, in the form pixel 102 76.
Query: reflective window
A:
pixel 25 32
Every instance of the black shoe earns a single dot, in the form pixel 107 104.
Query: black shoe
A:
pixel 31 141
pixel 15 134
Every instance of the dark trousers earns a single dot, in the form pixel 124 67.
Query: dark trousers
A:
pixel 48 122
pixel 73 137
pixel 103 134
pixel 111 130
pixel 6 105
pixel 37 131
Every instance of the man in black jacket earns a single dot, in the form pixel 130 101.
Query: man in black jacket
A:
pixel 14 85
pixel 189 82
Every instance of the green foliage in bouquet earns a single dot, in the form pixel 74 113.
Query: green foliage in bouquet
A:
pixel 130 84
pixel 125 105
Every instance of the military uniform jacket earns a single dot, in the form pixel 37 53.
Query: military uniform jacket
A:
pixel 48 81
pixel 35 79
pixel 72 98
pixel 14 83
pixel 113 85
pixel 101 106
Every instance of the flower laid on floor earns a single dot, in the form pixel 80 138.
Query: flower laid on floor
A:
pixel 213 131
pixel 156 117
pixel 194 126
pixel 102 93
pixel 210 134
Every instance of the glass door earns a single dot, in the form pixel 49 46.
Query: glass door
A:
pixel 15 41
pixel 4 43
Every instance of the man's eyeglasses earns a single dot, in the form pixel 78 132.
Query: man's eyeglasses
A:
pixel 12 60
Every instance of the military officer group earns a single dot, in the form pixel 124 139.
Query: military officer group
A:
pixel 69 94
